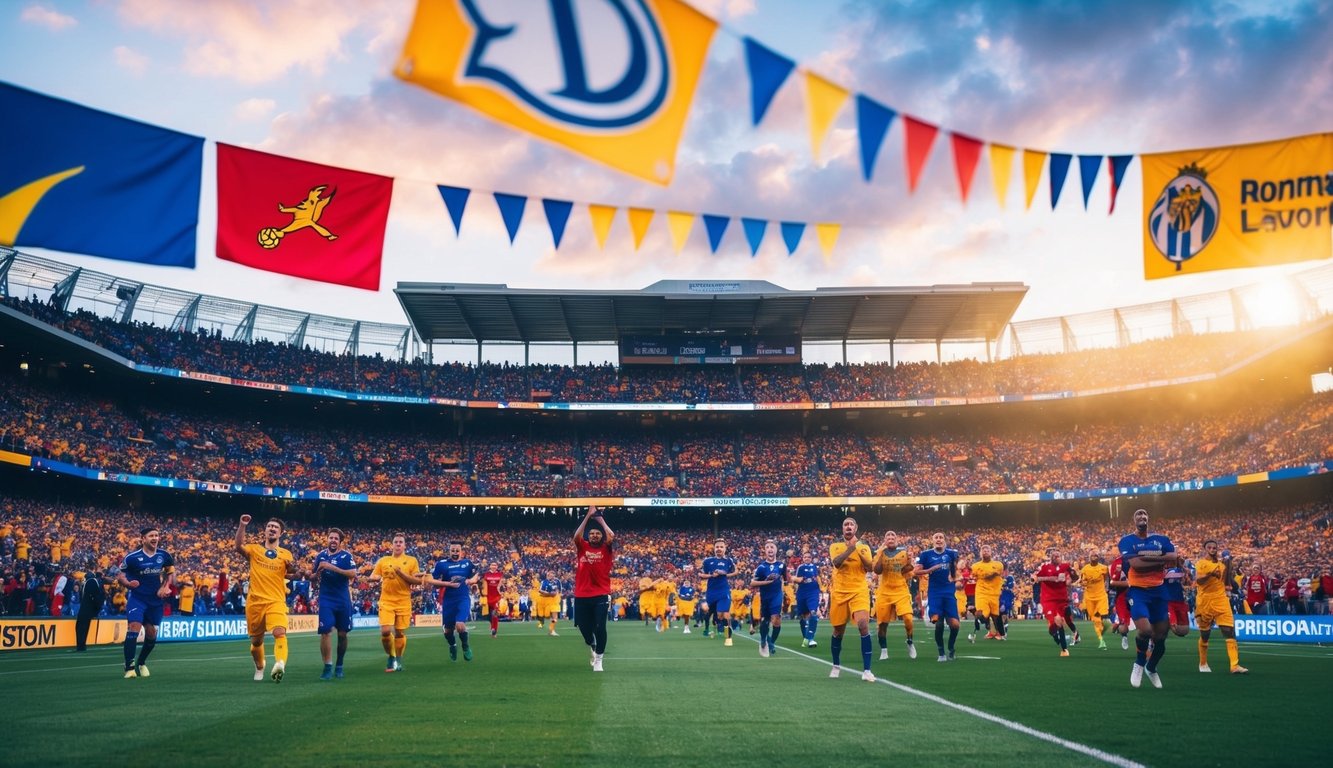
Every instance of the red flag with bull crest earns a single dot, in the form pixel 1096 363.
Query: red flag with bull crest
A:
pixel 301 219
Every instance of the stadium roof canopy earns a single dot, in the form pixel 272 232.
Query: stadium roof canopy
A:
pixel 491 312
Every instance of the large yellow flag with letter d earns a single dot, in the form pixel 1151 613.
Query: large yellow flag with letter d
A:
pixel 611 79
pixel 1244 206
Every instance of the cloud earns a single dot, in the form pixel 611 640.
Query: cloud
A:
pixel 251 110
pixel 47 17
pixel 262 42
pixel 130 60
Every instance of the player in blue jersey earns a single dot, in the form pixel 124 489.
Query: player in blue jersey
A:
pixel 456 575
pixel 1147 556
pixel 717 592
pixel 941 563
pixel 769 577
pixel 807 597
pixel 334 569
pixel 1006 605
pixel 148 574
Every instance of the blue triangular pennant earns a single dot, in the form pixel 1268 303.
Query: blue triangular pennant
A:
pixel 557 215
pixel 1088 166
pixel 872 123
pixel 1059 169
pixel 754 233
pixel 455 199
pixel 791 234
pixel 717 227
pixel 511 210
pixel 1119 164
pixel 768 71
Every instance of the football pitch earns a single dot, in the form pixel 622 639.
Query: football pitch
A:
pixel 527 699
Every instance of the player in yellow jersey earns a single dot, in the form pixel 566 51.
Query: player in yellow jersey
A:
pixel 548 605
pixel 664 589
pixel 266 607
pixel 849 595
pixel 1212 574
pixel 739 607
pixel 395 573
pixel 893 599
pixel 1096 600
pixel 648 600
pixel 989 574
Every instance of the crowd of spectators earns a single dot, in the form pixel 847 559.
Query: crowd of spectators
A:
pixel 209 351
pixel 40 541
pixel 572 460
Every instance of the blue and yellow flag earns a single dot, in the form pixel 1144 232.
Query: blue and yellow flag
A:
pixel 78 180
pixel 612 80
pixel 1251 205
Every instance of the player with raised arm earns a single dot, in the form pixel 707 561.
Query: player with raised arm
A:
pixel 893 599
pixel 1148 555
pixel 940 565
pixel 147 575
pixel 334 568
pixel 849 595
pixel 593 559
pixel 807 597
pixel 769 577
pixel 1212 574
pixel 266 608
pixel 717 593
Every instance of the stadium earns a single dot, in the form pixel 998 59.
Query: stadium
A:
pixel 114 416
pixel 330 436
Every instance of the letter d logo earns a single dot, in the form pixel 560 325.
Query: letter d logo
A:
pixel 610 79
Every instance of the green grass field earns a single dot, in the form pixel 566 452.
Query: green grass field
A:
pixel 667 699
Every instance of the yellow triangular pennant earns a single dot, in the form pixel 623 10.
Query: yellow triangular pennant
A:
pixel 828 236
pixel 825 99
pixel 680 225
pixel 1001 166
pixel 602 216
pixel 1033 160
pixel 639 219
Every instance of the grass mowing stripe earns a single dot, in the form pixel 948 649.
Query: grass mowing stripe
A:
pixel 1083 749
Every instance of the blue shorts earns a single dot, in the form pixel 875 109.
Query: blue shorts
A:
pixel 334 615
pixel 943 605
pixel 807 603
pixel 139 612
pixel 456 612
pixel 1148 603
pixel 719 603
pixel 770 606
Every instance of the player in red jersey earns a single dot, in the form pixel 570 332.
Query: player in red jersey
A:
pixel 970 590
pixel 1120 584
pixel 1055 577
pixel 592 582
pixel 1256 590
pixel 494 580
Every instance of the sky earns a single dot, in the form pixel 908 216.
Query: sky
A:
pixel 312 79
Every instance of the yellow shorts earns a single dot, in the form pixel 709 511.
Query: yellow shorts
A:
pixel 1097 606
pixel 891 606
pixel 1213 610
pixel 685 608
pixel 962 603
pixel 842 606
pixel 263 617
pixel 988 605
pixel 396 615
